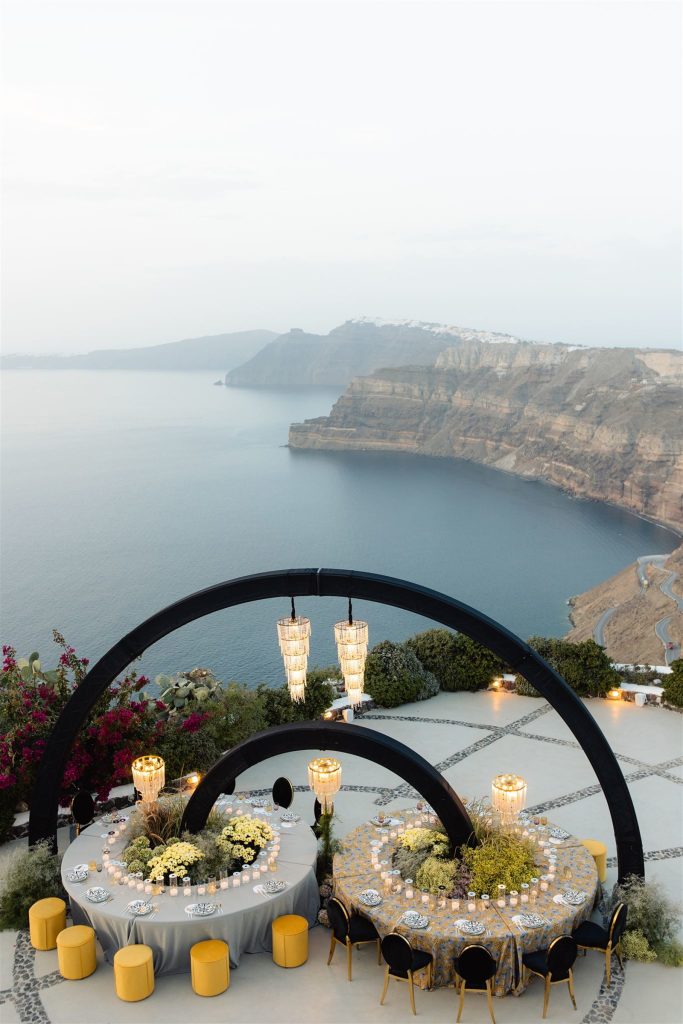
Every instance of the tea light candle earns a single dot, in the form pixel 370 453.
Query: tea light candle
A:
pixel 425 898
pixel 524 895
pixel 471 903
pixel 264 868
pixel 201 889
pixel 392 834
pixel 121 878
pixel 544 885
pixel 513 897
pixel 148 887
pixel 111 840
pixel 455 904
pixel 235 881
pixel 224 883
pixel 246 877
pixel 485 900
pixel 173 890
pixel 409 889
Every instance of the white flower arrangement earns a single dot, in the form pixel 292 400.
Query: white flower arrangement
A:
pixel 174 860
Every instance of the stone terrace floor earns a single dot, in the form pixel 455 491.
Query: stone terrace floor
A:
pixel 470 738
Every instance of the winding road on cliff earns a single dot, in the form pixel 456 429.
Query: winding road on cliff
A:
pixel 662 625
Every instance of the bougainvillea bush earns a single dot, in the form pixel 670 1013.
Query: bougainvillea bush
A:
pixel 124 724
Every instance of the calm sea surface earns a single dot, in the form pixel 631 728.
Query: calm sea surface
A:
pixel 122 492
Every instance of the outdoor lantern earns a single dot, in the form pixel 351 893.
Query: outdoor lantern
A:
pixel 293 636
pixel 508 795
pixel 614 693
pixel 149 776
pixel 352 649
pixel 193 780
pixel 324 778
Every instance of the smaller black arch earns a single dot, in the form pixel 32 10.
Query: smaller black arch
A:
pixel 345 738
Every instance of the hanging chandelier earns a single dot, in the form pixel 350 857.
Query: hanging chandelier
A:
pixel 324 778
pixel 293 636
pixel 352 650
pixel 149 776
pixel 508 796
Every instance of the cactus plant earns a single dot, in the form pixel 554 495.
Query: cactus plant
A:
pixel 195 686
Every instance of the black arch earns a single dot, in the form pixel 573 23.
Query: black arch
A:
pixel 365 586
pixel 350 739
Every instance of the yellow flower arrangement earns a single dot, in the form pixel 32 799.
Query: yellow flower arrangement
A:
pixel 422 839
pixel 243 837
pixel 174 860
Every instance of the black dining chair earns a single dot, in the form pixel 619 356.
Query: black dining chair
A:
pixel 403 962
pixel 82 809
pixel 475 968
pixel 554 965
pixel 349 930
pixel 591 936
pixel 283 792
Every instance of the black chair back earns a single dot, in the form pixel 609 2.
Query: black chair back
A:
pixel 561 956
pixel 283 792
pixel 475 965
pixel 339 919
pixel 317 810
pixel 618 923
pixel 83 808
pixel 398 953
pixel 229 788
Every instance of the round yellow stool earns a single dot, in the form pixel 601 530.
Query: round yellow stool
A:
pixel 598 852
pixel 290 940
pixel 46 919
pixel 76 952
pixel 210 967
pixel 133 973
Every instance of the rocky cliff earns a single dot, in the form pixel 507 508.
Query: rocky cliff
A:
pixel 600 423
pixel 358 347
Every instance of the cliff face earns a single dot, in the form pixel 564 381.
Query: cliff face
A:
pixel 600 423
pixel 358 347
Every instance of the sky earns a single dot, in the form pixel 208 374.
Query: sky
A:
pixel 179 169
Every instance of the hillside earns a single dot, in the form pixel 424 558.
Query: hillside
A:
pixel 600 423
pixel 358 347
pixel 215 352
pixel 629 605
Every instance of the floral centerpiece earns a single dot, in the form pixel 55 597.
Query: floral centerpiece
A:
pixel 243 837
pixel 501 857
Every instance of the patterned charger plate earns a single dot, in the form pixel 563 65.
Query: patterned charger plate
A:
pixel 471 927
pixel 532 920
pixel 97 894
pixel 370 898
pixel 574 897
pixel 200 909
pixel 76 875
pixel 274 885
pixel 141 908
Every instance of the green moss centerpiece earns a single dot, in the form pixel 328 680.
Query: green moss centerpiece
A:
pixel 502 857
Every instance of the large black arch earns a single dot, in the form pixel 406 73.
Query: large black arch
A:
pixel 341 583
pixel 349 739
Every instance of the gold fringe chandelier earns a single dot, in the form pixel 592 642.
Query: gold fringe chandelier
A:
pixel 293 635
pixel 324 778
pixel 352 649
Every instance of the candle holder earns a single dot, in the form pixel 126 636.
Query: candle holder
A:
pixel 172 885
pixel 471 902
pixel 409 889
pixel 211 886
pixel 148 887
pixel 187 886
pixel 514 896
pixel 485 901
pixel 524 892
pixel 455 905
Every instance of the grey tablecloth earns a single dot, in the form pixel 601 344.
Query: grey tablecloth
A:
pixel 244 920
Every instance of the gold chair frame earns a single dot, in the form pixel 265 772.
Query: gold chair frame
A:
pixel 349 945
pixel 411 988
pixel 569 980
pixel 609 949
pixel 463 986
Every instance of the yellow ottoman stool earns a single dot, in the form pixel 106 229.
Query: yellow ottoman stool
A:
pixel 133 973
pixel 76 952
pixel 598 852
pixel 210 967
pixel 290 940
pixel 46 919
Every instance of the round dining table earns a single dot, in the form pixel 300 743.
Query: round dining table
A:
pixel 505 937
pixel 243 916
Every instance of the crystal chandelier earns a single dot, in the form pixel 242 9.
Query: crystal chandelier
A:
pixel 324 778
pixel 508 796
pixel 293 636
pixel 149 776
pixel 352 649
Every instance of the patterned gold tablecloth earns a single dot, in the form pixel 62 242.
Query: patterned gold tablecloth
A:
pixel 506 940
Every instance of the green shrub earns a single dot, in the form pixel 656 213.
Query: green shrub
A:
pixel 436 873
pixel 670 953
pixel 524 688
pixel 279 708
pixel 236 715
pixel 328 845
pixel 409 862
pixel 8 804
pixel 673 684
pixel 187 750
pixel 635 946
pixel 649 909
pixel 458 662
pixel 394 675
pixel 31 875
pixel 186 690
pixel 584 666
